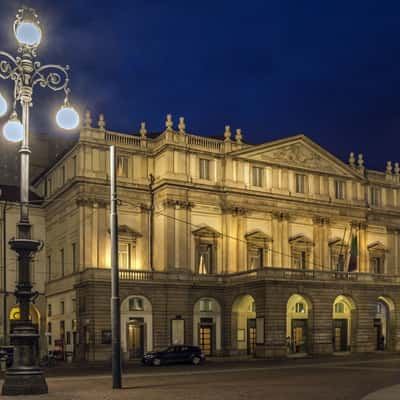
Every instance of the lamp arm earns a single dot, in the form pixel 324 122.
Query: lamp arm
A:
pixel 9 66
pixel 52 76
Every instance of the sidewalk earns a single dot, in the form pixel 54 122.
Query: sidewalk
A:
pixel 388 393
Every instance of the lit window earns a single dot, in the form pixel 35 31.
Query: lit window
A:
pixel 124 250
pixel 375 196
pixel 252 307
pixel 205 259
pixel 300 183
pixel 122 166
pixel 204 168
pixel 256 257
pixel 49 327
pixel 339 190
pixel 257 175
pixel 205 305
pixel 300 308
pixel 339 308
pixel 62 307
pixel 136 304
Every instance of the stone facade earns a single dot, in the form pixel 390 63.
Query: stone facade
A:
pixel 215 239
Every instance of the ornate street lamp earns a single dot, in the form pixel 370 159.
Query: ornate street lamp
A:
pixel 25 376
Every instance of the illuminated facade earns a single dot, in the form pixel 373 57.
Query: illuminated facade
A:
pixel 242 249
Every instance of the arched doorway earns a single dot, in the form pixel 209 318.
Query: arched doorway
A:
pixel 343 316
pixel 382 323
pixel 207 325
pixel 297 313
pixel 244 325
pixel 34 316
pixel 136 326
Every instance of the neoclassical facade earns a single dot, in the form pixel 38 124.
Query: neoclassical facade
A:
pixel 238 248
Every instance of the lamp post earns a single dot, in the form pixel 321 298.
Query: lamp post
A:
pixel 25 376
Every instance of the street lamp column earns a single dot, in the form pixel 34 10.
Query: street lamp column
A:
pixel 25 377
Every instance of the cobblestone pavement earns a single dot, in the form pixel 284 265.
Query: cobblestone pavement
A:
pixel 334 378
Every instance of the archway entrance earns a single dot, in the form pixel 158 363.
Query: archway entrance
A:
pixel 136 326
pixel 343 308
pixel 207 325
pixel 297 313
pixel 244 324
pixel 382 322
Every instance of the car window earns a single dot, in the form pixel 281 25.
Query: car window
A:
pixel 170 349
pixel 185 348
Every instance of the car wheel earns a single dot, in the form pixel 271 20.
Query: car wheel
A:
pixel 196 360
pixel 156 362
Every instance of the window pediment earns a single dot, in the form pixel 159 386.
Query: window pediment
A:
pixel 206 232
pixel 301 240
pixel 377 247
pixel 258 236
pixel 127 232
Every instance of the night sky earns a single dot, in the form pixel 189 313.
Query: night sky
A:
pixel 273 68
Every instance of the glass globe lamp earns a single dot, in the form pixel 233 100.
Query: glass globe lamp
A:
pixel 67 118
pixel 28 33
pixel 13 129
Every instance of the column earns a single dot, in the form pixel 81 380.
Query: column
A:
pixel 240 216
pixel 276 244
pixel 325 257
pixel 143 250
pixel 95 236
pixel 317 243
pixel 362 246
pixel 285 241
pixel 390 258
pixel 181 235
pixel 169 234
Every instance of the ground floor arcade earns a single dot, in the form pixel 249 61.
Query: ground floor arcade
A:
pixel 260 318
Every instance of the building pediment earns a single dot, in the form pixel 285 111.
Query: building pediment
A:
pixel 299 152
pixel 206 231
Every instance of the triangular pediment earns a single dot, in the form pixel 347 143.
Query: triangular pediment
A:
pixel 299 152
pixel 206 231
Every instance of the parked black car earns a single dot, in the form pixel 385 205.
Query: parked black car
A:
pixel 7 352
pixel 175 355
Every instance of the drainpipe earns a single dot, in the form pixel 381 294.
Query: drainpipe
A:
pixel 151 230
pixel 5 273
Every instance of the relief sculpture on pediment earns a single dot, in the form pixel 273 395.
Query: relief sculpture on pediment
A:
pixel 299 155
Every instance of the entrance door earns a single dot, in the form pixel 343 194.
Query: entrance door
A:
pixel 380 339
pixel 251 336
pixel 135 339
pixel 340 335
pixel 299 335
pixel 206 336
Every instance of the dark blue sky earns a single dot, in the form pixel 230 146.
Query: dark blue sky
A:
pixel 272 68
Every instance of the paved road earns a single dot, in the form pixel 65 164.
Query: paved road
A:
pixel 335 378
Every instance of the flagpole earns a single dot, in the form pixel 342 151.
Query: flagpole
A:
pixel 341 249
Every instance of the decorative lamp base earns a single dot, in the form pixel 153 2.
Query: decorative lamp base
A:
pixel 24 383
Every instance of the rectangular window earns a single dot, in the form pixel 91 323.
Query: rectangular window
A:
pixel 257 176
pixel 377 265
pixel 339 308
pixel 375 196
pixel 49 268
pixel 74 266
pixel 73 305
pixel 204 169
pixel 339 190
pixel 256 257
pixel 63 174
pixel 73 325
pixel 62 262
pixel 136 304
pixel 300 308
pixel 49 327
pixel 49 186
pixel 300 183
pixel 205 305
pixel 62 307
pixel 50 341
pixel 124 256
pixel 62 330
pixel 68 337
pixel 122 166
pixel 205 259
pixel 49 310
pixel 300 259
